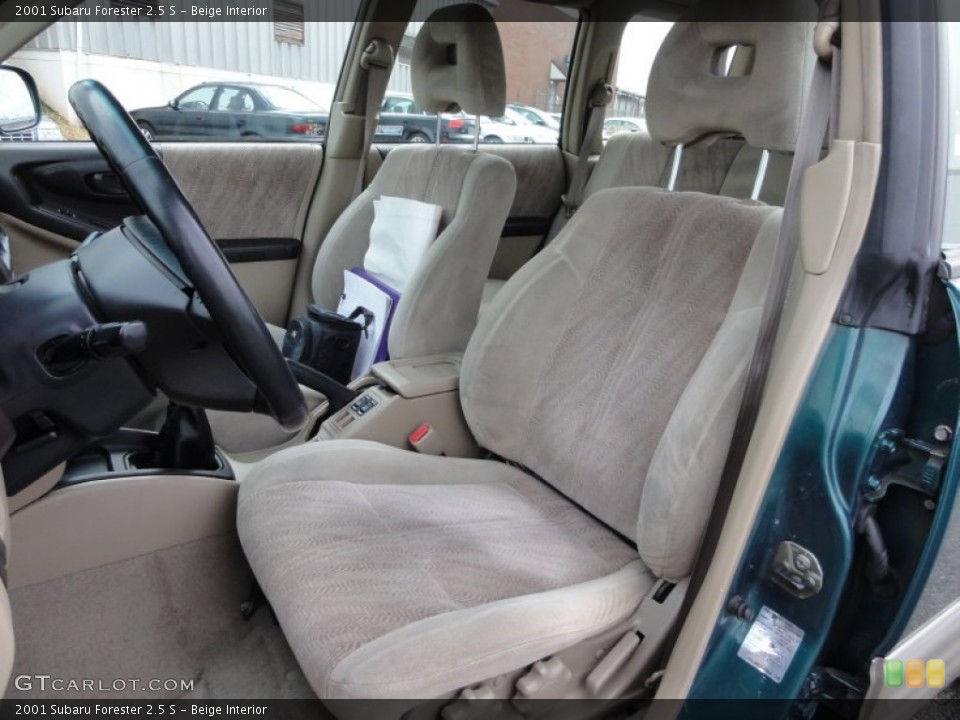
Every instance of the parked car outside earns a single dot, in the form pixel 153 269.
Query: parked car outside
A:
pixel 614 125
pixel 537 116
pixel 46 131
pixel 231 110
pixel 402 121
pixel 513 127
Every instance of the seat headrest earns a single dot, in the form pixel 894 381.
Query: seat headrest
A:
pixel 457 63
pixel 689 96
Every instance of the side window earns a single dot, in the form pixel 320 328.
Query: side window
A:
pixel 234 99
pixel 200 98
pixel 537 55
pixel 279 67
pixel 638 48
pixel 951 222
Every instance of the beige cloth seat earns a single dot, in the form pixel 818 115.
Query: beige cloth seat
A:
pixel 395 574
pixel 718 163
pixel 457 64
pixel 611 366
pixel 386 586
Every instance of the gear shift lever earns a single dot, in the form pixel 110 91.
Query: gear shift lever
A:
pixel 185 441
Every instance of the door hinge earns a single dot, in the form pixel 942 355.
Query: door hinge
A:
pixel 912 463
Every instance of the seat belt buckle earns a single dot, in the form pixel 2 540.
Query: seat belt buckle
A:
pixel 426 440
pixel 569 208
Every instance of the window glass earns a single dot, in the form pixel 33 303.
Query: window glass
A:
pixel 233 99
pixel 281 98
pixel 951 224
pixel 638 48
pixel 200 98
pixel 537 53
pixel 280 70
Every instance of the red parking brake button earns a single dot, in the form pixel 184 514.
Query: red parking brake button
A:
pixel 419 434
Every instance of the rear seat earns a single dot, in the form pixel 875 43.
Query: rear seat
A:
pixel 726 166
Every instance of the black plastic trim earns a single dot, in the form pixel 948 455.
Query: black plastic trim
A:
pixel 891 281
pixel 113 458
pixel 527 227
pixel 251 250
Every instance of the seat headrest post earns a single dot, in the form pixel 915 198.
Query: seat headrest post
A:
pixel 458 64
pixel 675 158
pixel 761 175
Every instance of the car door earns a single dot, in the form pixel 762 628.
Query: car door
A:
pixel 229 115
pixel 190 116
pixel 252 197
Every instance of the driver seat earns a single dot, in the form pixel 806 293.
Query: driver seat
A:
pixel 457 64
pixel 604 380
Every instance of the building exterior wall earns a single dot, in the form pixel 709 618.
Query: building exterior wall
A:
pixel 149 63
pixel 530 49
pixel 247 47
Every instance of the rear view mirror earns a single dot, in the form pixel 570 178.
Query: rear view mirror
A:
pixel 173 104
pixel 19 100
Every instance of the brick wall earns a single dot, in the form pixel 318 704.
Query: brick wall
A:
pixel 529 49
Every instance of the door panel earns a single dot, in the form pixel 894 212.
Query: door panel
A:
pixel 252 198
pixel 247 190
pixel 541 181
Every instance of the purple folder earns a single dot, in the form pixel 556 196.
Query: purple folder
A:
pixel 382 351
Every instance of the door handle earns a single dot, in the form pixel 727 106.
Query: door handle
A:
pixel 106 183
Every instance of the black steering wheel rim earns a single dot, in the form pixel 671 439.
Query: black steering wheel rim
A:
pixel 150 184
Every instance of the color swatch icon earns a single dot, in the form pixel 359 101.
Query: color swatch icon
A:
pixel 915 673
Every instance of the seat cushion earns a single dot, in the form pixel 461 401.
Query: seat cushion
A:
pixel 395 574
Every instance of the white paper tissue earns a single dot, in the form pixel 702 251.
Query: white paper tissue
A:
pixel 402 231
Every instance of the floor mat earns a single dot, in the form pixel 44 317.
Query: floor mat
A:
pixel 169 621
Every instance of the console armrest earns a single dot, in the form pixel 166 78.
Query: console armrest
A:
pixel 419 377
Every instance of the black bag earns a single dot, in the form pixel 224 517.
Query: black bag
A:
pixel 326 341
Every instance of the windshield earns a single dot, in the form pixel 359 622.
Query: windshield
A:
pixel 286 99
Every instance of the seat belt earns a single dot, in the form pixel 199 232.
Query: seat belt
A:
pixel 376 61
pixel 600 97
pixel 814 125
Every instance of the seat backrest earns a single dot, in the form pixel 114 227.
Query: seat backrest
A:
pixel 457 64
pixel 612 364
pixel 720 161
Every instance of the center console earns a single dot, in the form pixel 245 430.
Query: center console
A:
pixel 409 394
pixel 184 446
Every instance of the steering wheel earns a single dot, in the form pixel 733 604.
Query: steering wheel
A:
pixel 150 184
